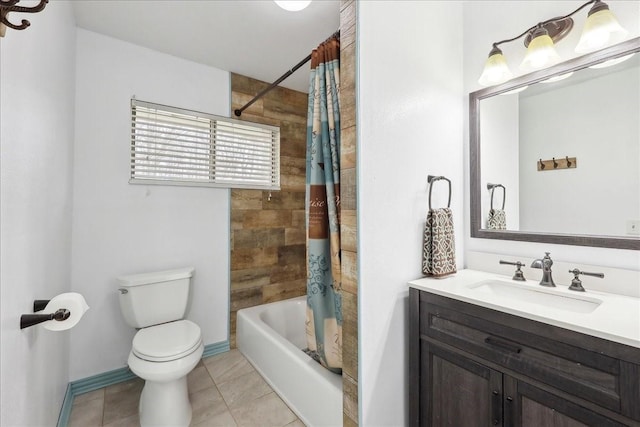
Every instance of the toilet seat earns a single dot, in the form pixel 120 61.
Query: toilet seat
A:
pixel 167 342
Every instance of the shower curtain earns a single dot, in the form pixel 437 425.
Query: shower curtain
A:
pixel 324 299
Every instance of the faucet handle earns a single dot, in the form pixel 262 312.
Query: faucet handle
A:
pixel 576 283
pixel 518 275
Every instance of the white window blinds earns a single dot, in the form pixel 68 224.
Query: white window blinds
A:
pixel 173 146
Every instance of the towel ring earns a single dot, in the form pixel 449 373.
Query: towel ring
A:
pixel 430 180
pixel 504 193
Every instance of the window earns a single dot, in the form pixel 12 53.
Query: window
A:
pixel 173 146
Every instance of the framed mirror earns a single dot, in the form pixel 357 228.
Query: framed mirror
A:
pixel 555 154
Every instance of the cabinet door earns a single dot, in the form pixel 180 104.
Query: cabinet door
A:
pixel 456 391
pixel 528 406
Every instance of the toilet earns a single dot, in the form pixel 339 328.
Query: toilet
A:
pixel 166 347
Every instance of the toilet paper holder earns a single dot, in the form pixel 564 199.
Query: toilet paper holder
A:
pixel 68 306
pixel 27 320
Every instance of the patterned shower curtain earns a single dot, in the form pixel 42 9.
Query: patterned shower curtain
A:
pixel 324 299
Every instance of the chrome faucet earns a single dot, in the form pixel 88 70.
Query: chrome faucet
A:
pixel 545 264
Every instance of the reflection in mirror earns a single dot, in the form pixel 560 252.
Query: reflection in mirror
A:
pixel 567 153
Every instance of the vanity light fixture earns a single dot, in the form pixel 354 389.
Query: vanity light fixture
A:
pixel 601 29
pixel 293 5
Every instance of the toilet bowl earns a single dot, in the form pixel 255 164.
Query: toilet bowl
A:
pixel 165 348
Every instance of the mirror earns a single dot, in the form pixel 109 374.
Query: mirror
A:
pixel 559 162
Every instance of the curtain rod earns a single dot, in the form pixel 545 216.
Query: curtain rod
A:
pixel 238 112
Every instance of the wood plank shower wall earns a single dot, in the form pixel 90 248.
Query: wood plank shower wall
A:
pixel 348 231
pixel 268 236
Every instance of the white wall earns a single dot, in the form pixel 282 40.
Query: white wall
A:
pixel 484 23
pixel 602 193
pixel 37 70
pixel 410 105
pixel 499 126
pixel 120 228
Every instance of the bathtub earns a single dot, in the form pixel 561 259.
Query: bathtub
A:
pixel 271 337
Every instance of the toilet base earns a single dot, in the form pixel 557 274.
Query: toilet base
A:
pixel 165 404
pixel 165 397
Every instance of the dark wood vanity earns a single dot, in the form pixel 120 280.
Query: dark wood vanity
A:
pixel 474 366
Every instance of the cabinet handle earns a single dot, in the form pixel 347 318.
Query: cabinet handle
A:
pixel 496 408
pixel 508 412
pixel 503 345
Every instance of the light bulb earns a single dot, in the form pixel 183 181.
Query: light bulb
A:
pixel 601 29
pixel 541 53
pixel 495 70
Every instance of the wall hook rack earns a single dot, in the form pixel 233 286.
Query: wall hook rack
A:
pixel 555 164
pixel 7 6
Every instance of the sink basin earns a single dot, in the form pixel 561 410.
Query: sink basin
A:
pixel 498 290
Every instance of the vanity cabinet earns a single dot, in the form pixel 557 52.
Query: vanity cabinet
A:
pixel 474 366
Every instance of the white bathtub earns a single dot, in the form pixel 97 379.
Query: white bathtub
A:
pixel 271 337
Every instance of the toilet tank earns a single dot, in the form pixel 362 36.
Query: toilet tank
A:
pixel 152 298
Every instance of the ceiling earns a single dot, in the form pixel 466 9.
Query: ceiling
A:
pixel 255 38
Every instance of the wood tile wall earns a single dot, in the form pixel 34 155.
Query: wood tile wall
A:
pixel 348 231
pixel 268 234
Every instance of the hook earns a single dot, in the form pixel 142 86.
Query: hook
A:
pixel 7 6
pixel 542 165
pixel 568 161
pixel 555 164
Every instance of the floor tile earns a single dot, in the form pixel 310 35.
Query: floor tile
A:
pixel 87 414
pixel 84 397
pixel 226 366
pixel 206 404
pixel 266 411
pixel 124 387
pixel 244 388
pixel 199 379
pixel 225 391
pixel 218 420
pixel 121 400
pixel 132 421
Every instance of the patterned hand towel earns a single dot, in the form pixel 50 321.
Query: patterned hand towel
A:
pixel 439 253
pixel 497 220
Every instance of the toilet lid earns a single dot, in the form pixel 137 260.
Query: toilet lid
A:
pixel 168 341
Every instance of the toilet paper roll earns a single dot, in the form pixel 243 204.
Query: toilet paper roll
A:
pixel 72 301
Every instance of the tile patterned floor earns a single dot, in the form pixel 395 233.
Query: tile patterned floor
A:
pixel 225 391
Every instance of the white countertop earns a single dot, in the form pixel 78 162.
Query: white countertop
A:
pixel 617 318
